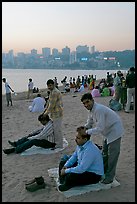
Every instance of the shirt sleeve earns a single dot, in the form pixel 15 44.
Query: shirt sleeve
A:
pixel 86 161
pixel 100 118
pixel 44 134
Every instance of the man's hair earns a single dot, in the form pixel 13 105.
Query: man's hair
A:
pixel 50 81
pixel 38 95
pixel 86 96
pixel 132 69
pixel 43 117
pixel 4 79
pixel 82 132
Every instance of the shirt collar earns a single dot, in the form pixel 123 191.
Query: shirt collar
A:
pixel 84 145
pixel 93 108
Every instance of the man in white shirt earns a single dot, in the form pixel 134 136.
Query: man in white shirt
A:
pixel 38 104
pixel 43 137
pixel 109 124
pixel 84 166
pixel 30 88
pixel 8 92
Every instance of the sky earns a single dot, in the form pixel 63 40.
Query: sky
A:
pixel 35 25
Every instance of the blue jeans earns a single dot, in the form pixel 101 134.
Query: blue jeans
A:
pixel 24 143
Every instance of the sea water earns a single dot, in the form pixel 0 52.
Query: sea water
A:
pixel 18 78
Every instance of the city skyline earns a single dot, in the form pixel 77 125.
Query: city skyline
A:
pixel 34 25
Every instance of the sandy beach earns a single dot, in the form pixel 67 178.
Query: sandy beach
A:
pixel 17 122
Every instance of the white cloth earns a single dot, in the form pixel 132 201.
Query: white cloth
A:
pixel 7 88
pixel 37 105
pixel 108 123
pixel 30 85
pixel 79 190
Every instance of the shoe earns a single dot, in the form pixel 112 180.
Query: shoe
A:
pixel 38 180
pixel 12 143
pixel 35 186
pixel 9 151
pixel 126 111
pixel 63 187
pixel 30 182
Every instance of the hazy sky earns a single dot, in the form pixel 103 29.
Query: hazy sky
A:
pixel 107 25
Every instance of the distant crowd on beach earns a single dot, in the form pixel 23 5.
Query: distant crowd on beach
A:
pixel 113 85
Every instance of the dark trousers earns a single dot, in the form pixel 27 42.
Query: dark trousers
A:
pixel 24 143
pixel 74 179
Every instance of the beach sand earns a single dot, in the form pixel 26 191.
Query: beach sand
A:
pixel 17 121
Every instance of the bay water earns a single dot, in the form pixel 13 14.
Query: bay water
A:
pixel 18 78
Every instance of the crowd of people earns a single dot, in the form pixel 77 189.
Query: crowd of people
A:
pixel 87 164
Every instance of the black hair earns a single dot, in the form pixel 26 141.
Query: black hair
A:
pixel 86 96
pixel 80 131
pixel 50 81
pixel 43 117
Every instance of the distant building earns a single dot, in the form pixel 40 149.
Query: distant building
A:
pixel 55 52
pixel 80 48
pixel 46 52
pixel 92 49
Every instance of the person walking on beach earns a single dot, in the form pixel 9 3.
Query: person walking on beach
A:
pixel 84 166
pixel 54 107
pixel 109 124
pixel 30 88
pixel 43 137
pixel 8 92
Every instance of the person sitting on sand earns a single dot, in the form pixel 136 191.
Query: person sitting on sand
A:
pixel 95 92
pixel 38 104
pixel 43 137
pixel 84 166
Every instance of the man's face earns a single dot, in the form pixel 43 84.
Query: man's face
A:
pixel 88 103
pixel 50 86
pixel 79 140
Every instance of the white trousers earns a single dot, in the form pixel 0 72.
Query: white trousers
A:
pixel 130 94
pixel 57 123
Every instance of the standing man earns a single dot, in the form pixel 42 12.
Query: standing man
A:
pixel 117 86
pixel 109 124
pixel 54 107
pixel 30 88
pixel 130 84
pixel 8 92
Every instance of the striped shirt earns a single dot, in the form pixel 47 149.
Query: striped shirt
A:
pixel 55 104
pixel 46 132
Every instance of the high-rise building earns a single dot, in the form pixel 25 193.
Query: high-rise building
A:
pixel 55 52
pixel 46 52
pixel 34 52
pixel 92 49
pixel 66 51
pixel 80 48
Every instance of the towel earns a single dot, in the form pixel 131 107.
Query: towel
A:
pixel 40 150
pixel 79 190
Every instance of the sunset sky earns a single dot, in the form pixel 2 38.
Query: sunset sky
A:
pixel 34 25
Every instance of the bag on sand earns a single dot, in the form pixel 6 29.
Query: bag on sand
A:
pixel 115 105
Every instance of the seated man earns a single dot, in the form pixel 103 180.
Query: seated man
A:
pixel 43 137
pixel 84 166
pixel 38 104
